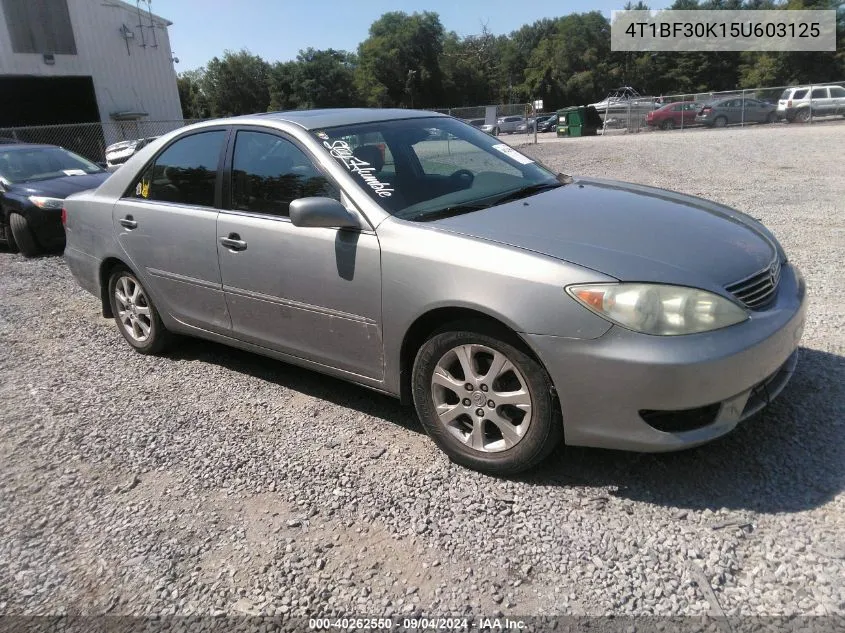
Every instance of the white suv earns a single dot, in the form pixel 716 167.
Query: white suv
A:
pixel 795 103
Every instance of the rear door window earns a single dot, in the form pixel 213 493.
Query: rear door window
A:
pixel 185 172
pixel 819 93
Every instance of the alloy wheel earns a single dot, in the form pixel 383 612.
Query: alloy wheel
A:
pixel 481 398
pixel 133 308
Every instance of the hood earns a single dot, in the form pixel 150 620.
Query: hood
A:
pixel 60 187
pixel 630 232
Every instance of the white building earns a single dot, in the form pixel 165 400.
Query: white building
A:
pixel 81 61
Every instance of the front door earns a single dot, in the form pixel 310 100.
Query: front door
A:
pixel 167 225
pixel 314 293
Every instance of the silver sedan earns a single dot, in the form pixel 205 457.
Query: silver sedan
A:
pixel 513 306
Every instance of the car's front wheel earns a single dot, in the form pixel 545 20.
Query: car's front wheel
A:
pixel 485 402
pixel 135 315
pixel 24 239
pixel 668 124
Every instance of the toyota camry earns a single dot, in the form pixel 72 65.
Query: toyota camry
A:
pixel 513 306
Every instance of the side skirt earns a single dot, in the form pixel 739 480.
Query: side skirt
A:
pixel 363 381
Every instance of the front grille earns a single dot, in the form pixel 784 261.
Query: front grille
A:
pixel 758 290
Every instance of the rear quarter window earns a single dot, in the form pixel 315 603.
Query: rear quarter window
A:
pixel 800 94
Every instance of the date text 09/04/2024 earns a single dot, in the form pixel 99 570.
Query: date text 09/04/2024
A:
pixel 416 624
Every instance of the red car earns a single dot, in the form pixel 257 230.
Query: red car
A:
pixel 672 115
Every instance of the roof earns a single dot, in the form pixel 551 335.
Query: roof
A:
pixel 333 117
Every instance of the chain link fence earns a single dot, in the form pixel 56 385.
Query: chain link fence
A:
pixel 806 103
pixel 91 139
pixel 478 115
pixel 798 103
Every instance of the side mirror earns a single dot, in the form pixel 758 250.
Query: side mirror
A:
pixel 321 212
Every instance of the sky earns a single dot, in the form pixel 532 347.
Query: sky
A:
pixel 277 29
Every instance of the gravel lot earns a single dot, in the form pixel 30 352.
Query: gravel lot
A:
pixel 215 481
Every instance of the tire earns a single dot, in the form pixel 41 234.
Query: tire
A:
pixel 668 124
pixel 803 115
pixel 720 121
pixel 9 239
pixel 771 118
pixel 136 316
pixel 24 238
pixel 474 441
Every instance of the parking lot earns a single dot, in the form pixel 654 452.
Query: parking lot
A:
pixel 214 481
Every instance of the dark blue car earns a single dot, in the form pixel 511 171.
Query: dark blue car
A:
pixel 34 181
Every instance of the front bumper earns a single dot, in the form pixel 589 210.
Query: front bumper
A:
pixel 46 224
pixel 603 384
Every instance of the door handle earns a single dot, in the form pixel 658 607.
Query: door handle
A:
pixel 233 242
pixel 128 222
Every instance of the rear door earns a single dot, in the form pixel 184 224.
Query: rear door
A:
pixel 837 97
pixel 314 293
pixel 167 225
pixel 755 111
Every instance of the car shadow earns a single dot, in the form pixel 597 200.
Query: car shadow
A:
pixel 790 458
pixel 311 383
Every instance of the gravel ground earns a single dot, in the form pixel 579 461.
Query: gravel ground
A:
pixel 212 481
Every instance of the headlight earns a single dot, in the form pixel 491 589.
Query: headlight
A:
pixel 659 309
pixel 47 203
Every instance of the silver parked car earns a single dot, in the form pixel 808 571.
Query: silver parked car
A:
pixel 509 124
pixel 512 305
pixel 119 153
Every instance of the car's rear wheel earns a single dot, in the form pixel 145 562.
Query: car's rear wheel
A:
pixel 771 117
pixel 803 115
pixel 720 121
pixel 135 315
pixel 668 124
pixel 23 235
pixel 485 402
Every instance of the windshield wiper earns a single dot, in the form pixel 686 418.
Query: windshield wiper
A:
pixel 528 190
pixel 447 212
pixel 469 207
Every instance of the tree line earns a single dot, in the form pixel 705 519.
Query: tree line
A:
pixel 412 61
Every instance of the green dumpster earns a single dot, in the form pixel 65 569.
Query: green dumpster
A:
pixel 577 121
pixel 566 118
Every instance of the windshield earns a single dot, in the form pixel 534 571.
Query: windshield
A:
pixel 40 163
pixel 423 168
